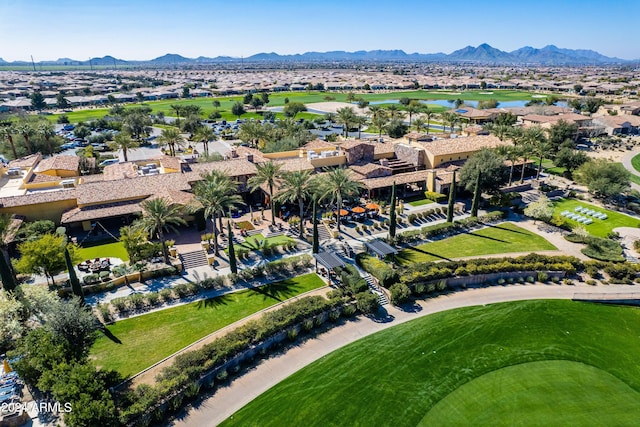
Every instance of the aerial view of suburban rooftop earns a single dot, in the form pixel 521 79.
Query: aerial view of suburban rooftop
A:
pixel 294 214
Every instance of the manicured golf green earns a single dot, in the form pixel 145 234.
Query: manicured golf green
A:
pixel 147 339
pixel 106 250
pixel 496 239
pixel 599 227
pixel 510 359
pixel 278 99
pixel 533 388
pixel 420 202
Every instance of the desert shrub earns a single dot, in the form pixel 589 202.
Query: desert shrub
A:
pixel 620 273
pixel 120 304
pixel 91 279
pixel 136 300
pixel 400 293
pixel 367 303
pixel 166 294
pixel 412 218
pixel 152 298
pixel 105 312
pixel 530 279
pixel 379 269
pixel 542 277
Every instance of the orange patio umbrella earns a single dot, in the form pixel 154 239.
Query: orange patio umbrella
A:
pixel 372 206
pixel 358 209
pixel 6 367
pixel 342 212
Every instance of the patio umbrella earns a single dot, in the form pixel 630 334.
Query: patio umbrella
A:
pixel 358 209
pixel 342 212
pixel 6 367
pixel 372 206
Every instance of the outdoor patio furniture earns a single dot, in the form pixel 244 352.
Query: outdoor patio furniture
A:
pixel 578 209
pixel 588 221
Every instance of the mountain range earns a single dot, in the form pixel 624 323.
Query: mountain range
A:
pixel 482 54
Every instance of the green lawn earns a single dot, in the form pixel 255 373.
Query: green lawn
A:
pixel 600 227
pixel 420 202
pixel 497 239
pixel 253 242
pixel 149 338
pixel 635 162
pixel 110 250
pixel 548 362
pixel 278 99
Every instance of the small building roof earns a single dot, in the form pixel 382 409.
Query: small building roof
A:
pixel 25 162
pixel 329 260
pixel 119 171
pixel 67 163
pixel 467 144
pixel 380 248
pixel 109 210
pixel 318 144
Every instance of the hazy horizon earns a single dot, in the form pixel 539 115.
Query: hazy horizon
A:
pixel 144 30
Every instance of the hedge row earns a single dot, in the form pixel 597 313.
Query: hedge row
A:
pixel 426 272
pixel 598 248
pixel 448 228
pixel 193 365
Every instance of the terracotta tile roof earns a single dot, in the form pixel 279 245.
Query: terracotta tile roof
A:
pixel 298 164
pixel 347 145
pixel 174 196
pixel 38 197
pixel 241 154
pixel 93 178
pixel 36 178
pixel 401 178
pixel 25 162
pixel 441 147
pixel 133 188
pixel 67 163
pixel 234 167
pixel 119 171
pixel 367 168
pixel 317 144
pixel 100 211
pixel 383 148
pixel 169 162
pixel 418 136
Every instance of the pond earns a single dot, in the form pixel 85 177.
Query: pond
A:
pixel 449 103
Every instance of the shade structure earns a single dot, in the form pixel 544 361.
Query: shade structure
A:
pixel 372 206
pixel 343 212
pixel 380 248
pixel 358 209
pixel 328 260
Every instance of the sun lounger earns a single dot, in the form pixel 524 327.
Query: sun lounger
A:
pixel 588 221
pixel 578 209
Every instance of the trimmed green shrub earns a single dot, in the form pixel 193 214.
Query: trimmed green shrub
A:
pixel 400 293
pixel 367 303
pixel 379 269
pixel 436 197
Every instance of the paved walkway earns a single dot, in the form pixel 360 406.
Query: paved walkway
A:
pixel 626 162
pixel 226 401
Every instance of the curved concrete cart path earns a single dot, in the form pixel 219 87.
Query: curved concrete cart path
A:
pixel 226 401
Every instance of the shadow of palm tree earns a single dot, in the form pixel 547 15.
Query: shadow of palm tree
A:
pixel 107 333
pixel 409 257
pixel 277 291
pixel 508 229
pixel 215 302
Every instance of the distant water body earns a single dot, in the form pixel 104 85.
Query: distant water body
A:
pixel 474 104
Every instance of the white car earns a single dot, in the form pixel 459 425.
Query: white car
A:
pixel 108 162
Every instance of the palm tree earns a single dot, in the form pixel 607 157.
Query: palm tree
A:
pixel 296 187
pixel 124 142
pixel 216 194
pixel 360 121
pixel 539 145
pixel 335 186
pixel 512 154
pixel 252 133
pixel 6 132
pixel 346 116
pixel 267 173
pixel 394 111
pixel 376 111
pixel 429 113
pixel 178 109
pixel 380 121
pixel 26 131
pixel 6 272
pixel 419 124
pixel 205 135
pixel 413 108
pixel 45 130
pixel 450 118
pixel 159 215
pixel 172 138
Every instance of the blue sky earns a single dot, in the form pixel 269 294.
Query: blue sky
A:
pixel 142 29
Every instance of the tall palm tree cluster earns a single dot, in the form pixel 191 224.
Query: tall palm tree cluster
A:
pixel 24 136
